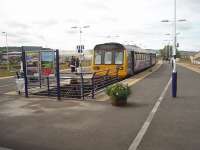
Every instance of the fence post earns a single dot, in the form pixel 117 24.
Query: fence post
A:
pixel 48 86
pixel 58 74
pixel 105 78
pixel 24 70
pixel 93 85
pixel 82 86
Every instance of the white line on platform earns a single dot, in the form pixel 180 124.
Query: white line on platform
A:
pixel 145 126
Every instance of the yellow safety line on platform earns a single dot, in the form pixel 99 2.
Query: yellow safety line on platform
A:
pixel 6 77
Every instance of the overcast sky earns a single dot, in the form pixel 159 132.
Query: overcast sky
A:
pixel 49 22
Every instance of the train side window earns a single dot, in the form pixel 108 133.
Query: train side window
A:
pixel 137 56
pixel 108 57
pixel 98 57
pixel 118 57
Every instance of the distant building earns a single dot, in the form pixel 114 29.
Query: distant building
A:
pixel 11 55
pixel 195 59
pixel 185 55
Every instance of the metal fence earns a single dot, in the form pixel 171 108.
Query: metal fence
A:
pixel 74 85
pixel 65 84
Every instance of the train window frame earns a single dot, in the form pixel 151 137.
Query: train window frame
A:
pixel 101 61
pixel 137 56
pixel 122 61
pixel 104 56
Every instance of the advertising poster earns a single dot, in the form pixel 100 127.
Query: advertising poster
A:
pixel 47 63
pixel 32 63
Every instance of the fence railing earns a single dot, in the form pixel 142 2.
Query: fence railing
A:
pixel 72 85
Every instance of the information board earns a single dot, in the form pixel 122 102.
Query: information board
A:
pixel 32 63
pixel 47 63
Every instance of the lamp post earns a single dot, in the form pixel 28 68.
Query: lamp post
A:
pixel 6 37
pixel 174 71
pixel 80 42
pixel 80 31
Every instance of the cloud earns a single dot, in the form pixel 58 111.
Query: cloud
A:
pixel 184 26
pixel 72 21
pixel 71 31
pixel 96 5
pixel 46 23
pixel 137 20
pixel 16 24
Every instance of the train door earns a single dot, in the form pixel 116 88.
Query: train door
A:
pixel 133 61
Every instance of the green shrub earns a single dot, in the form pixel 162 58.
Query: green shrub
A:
pixel 118 91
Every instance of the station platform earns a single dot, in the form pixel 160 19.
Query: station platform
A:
pixel 177 123
pixel 87 125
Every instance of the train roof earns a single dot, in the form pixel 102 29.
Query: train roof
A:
pixel 118 46
pixel 110 46
pixel 136 48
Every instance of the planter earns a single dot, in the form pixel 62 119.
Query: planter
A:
pixel 118 94
pixel 121 102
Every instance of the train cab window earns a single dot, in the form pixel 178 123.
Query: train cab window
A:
pixel 98 57
pixel 108 57
pixel 118 57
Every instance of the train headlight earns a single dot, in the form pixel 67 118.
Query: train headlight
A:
pixel 121 68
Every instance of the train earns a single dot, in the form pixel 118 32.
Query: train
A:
pixel 127 59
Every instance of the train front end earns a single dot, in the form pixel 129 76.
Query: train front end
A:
pixel 109 58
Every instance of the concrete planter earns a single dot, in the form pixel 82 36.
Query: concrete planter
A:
pixel 118 102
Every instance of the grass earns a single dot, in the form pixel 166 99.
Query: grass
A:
pixel 5 73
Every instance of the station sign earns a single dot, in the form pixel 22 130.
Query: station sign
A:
pixel 80 48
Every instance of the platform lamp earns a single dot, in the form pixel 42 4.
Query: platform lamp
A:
pixel 80 42
pixel 174 71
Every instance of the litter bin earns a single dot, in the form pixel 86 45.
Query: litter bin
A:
pixel 20 85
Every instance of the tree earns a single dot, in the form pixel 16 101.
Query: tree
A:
pixel 166 52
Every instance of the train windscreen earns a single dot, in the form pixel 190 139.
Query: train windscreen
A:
pixel 119 57
pixel 98 57
pixel 109 53
pixel 108 57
